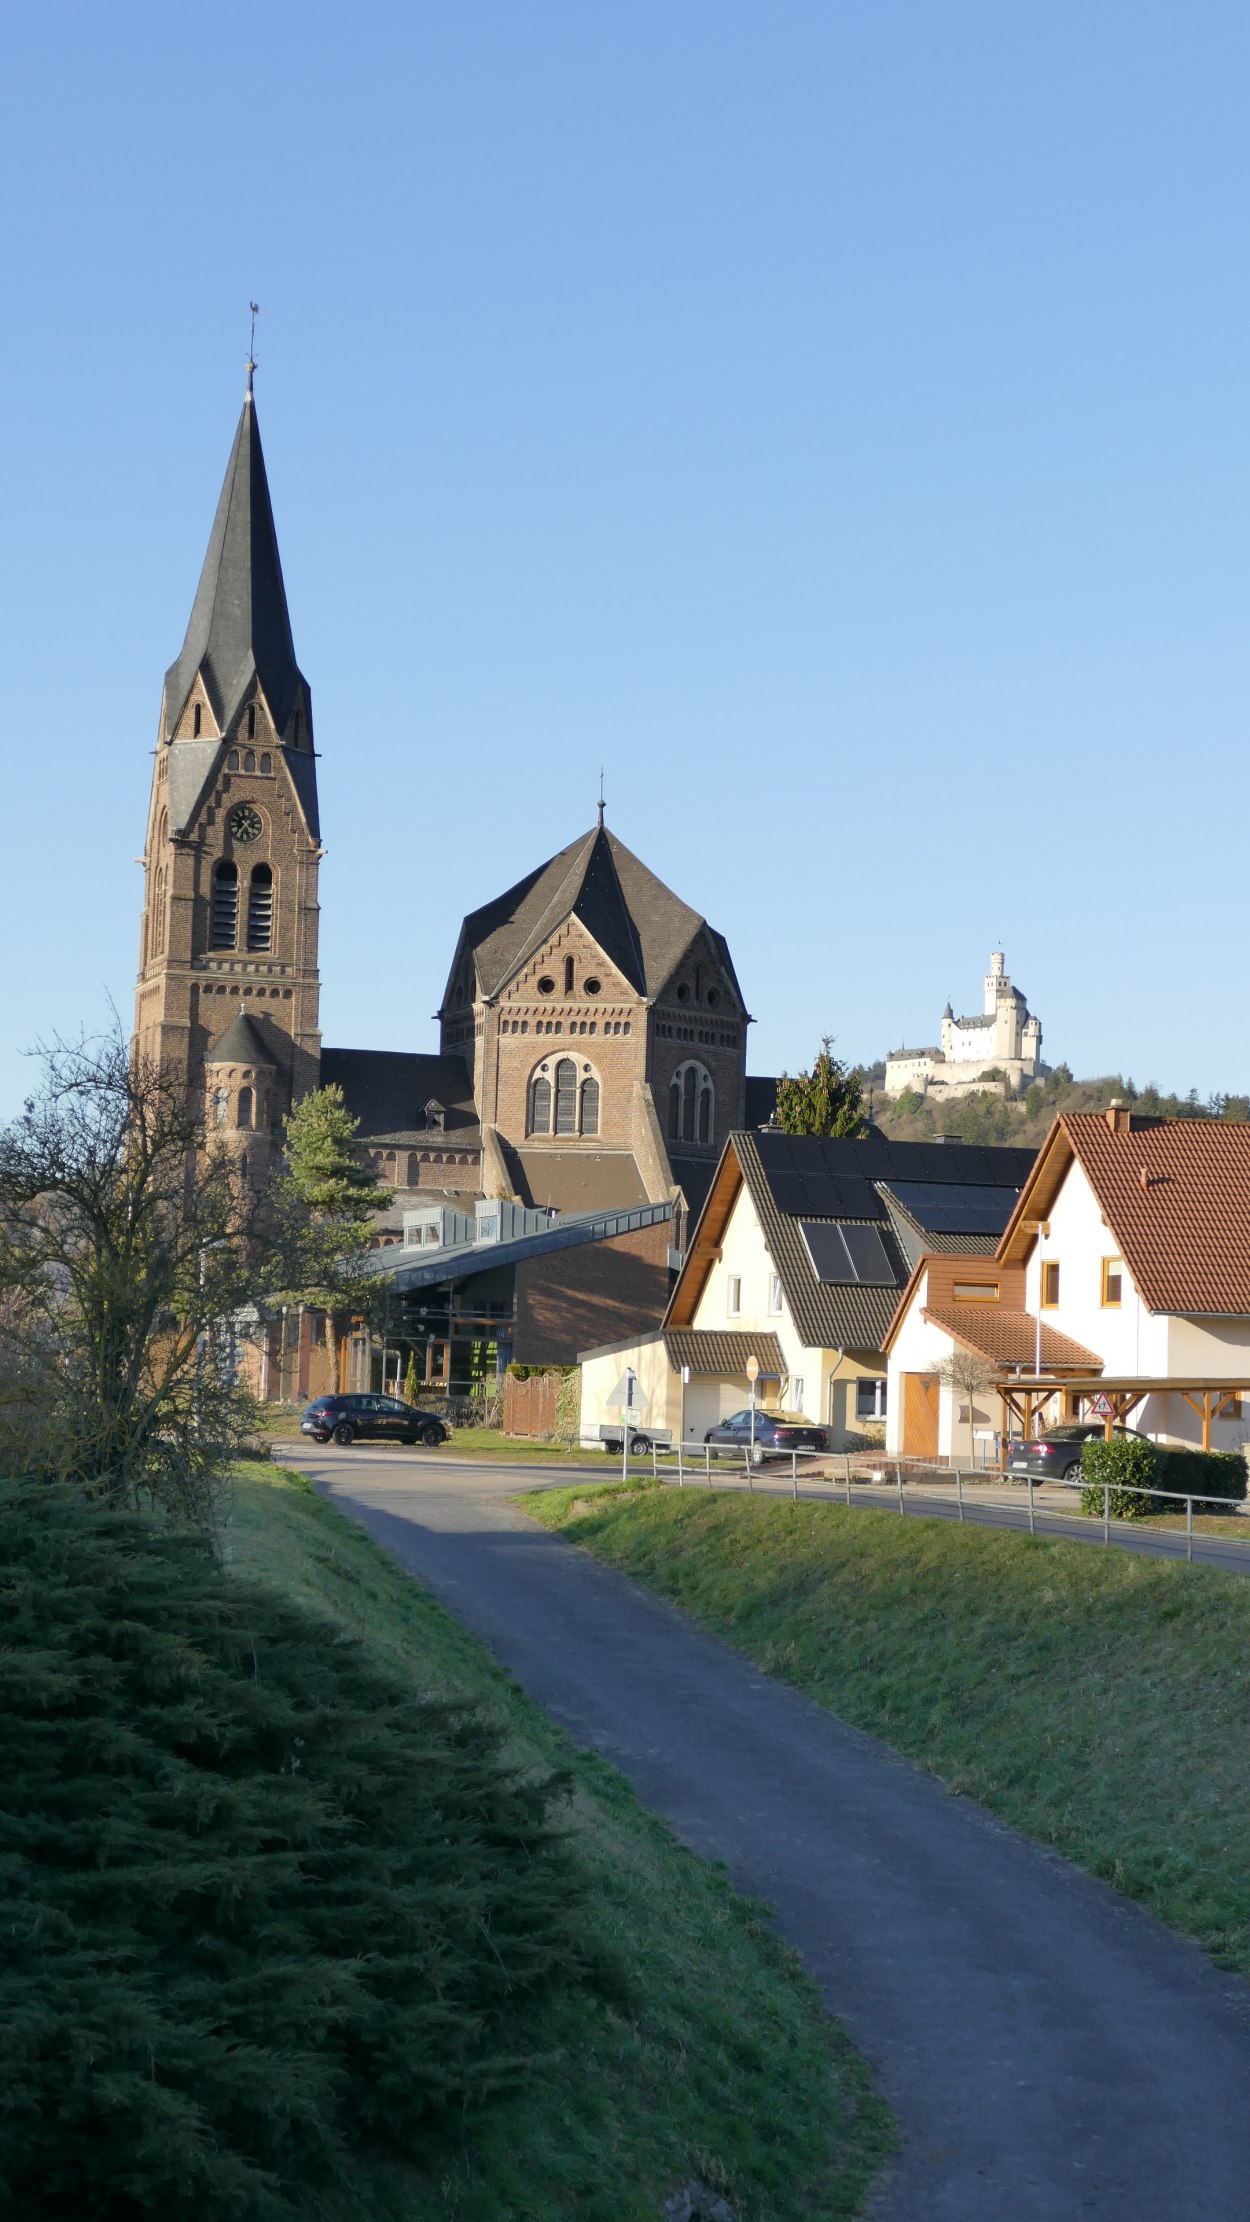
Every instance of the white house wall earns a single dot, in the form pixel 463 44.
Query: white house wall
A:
pixel 659 1387
pixel 919 1347
pixel 1128 1338
pixel 745 1254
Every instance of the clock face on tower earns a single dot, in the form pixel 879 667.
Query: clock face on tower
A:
pixel 245 823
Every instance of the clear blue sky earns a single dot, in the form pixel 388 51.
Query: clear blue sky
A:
pixel 830 418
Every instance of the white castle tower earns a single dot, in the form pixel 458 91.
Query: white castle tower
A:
pixel 1000 1048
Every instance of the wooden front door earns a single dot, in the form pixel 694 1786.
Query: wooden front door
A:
pixel 920 1415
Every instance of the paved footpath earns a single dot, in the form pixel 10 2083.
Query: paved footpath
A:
pixel 1050 2050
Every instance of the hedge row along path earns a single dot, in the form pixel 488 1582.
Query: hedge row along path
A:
pixel 1051 2051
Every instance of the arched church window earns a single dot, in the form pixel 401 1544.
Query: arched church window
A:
pixel 566 1096
pixel 260 909
pixel 674 1112
pixel 249 760
pixel 225 906
pixel 232 760
pixel 251 721
pixel 245 1107
pixel 590 1107
pixel 568 975
pixel 196 720
pixel 540 1104
pixel 266 764
pixel 689 1088
pixel 221 1105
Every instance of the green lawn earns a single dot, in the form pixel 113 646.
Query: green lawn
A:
pixel 723 2067
pixel 1098 1701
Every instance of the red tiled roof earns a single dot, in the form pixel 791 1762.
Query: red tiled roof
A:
pixel 1009 1338
pixel 1183 1229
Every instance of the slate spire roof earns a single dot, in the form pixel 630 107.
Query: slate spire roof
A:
pixel 638 922
pixel 240 632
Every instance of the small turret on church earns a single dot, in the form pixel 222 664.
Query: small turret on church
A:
pixel 227 994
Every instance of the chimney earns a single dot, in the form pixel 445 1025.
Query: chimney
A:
pixel 1119 1118
pixel 1144 1177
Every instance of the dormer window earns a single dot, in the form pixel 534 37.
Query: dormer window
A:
pixel 435 1117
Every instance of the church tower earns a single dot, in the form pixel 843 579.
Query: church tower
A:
pixel 228 987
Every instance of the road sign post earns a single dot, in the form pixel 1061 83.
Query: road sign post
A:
pixel 753 1374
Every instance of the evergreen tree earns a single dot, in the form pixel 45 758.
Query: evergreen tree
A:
pixel 410 1379
pixel 828 1100
pixel 324 1202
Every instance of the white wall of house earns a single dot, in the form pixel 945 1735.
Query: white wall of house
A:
pixel 659 1387
pixel 1127 1337
pixel 743 1295
pixel 920 1347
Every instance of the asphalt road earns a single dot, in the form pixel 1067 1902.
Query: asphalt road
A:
pixel 1050 2050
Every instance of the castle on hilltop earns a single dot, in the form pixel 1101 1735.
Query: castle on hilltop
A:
pixel 1000 1048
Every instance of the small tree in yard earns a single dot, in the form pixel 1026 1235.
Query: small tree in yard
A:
pixel 324 1203
pixel 968 1375
pixel 126 1250
pixel 828 1100
pixel 410 1379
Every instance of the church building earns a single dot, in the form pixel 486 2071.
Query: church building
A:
pixel 592 1032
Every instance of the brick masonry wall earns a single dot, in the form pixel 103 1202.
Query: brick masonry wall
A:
pixel 573 1300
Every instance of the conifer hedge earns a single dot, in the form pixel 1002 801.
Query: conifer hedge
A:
pixel 259 1906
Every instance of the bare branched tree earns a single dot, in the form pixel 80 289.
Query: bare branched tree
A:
pixel 968 1376
pixel 127 1251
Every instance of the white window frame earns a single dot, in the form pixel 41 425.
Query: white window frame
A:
pixel 774 1295
pixel 878 1387
pixel 733 1287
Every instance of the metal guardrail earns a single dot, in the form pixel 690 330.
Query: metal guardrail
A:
pixel 691 1470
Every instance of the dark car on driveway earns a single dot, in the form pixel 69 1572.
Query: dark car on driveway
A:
pixel 776 1435
pixel 1056 1455
pixel 371 1419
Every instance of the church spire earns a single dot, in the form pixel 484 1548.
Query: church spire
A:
pixel 240 630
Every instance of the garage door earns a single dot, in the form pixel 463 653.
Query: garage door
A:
pixel 708 1402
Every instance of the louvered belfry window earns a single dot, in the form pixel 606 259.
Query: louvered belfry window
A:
pixel 225 906
pixel 260 909
pixel 566 1096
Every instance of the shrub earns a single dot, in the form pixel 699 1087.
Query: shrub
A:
pixel 1127 1463
pixel 1204 1473
pixel 260 1905
pixel 1128 1459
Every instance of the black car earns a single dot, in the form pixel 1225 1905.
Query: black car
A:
pixel 776 1435
pixel 371 1419
pixel 1056 1455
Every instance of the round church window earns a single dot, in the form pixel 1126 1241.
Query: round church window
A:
pixel 546 985
pixel 592 987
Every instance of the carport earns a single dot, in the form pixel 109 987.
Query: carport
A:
pixel 1119 1395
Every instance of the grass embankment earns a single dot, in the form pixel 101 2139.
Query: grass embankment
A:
pixel 1098 1701
pixel 721 2068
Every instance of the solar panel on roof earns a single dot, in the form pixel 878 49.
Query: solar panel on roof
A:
pixel 867 1255
pixel 849 1257
pixel 954 1207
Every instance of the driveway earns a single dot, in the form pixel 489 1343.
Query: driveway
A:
pixel 1050 2050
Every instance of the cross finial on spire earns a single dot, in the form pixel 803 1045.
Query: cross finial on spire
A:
pixel 601 798
pixel 254 306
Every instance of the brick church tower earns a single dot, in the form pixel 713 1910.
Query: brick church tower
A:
pixel 228 987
